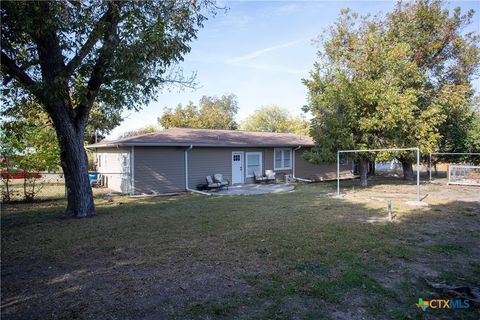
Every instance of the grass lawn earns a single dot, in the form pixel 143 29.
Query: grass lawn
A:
pixel 297 255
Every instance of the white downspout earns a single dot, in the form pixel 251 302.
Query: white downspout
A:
pixel 132 171
pixel 186 174
pixel 186 166
pixel 294 177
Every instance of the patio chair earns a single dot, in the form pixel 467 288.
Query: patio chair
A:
pixel 218 178
pixel 259 178
pixel 270 175
pixel 212 185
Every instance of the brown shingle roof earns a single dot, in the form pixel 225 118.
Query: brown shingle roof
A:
pixel 210 138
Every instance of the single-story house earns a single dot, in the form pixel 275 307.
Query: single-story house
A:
pixel 178 159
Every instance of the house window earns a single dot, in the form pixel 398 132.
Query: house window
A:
pixel 283 159
pixel 254 163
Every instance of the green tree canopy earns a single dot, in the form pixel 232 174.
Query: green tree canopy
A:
pixel 448 58
pixel 472 139
pixel 28 143
pixel 101 122
pixel 373 88
pixel 275 119
pixel 473 135
pixel 142 130
pixel 212 113
pixel 70 55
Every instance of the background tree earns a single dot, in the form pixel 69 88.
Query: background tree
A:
pixel 28 144
pixel 473 135
pixel 275 119
pixel 372 88
pixel 357 92
pixel 102 121
pixel 212 113
pixel 448 59
pixel 69 55
pixel 8 153
pixel 472 140
pixel 180 117
pixel 143 130
pixel 31 133
pixel 15 114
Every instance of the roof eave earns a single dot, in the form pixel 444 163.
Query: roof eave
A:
pixel 156 144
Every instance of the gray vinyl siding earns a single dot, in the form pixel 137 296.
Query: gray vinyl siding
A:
pixel 270 165
pixel 159 170
pixel 318 172
pixel 203 162
pixel 162 169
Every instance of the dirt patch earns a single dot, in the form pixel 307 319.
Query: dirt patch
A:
pixel 125 288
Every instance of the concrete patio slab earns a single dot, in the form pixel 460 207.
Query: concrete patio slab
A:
pixel 254 189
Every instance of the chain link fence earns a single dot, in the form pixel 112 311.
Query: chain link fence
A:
pixel 46 186
pixel 464 175
pixel 39 187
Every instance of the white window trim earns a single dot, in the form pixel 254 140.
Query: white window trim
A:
pixel 246 163
pixel 275 159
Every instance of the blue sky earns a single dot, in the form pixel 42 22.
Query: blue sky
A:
pixel 259 51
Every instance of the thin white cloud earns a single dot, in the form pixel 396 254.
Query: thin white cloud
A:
pixel 275 68
pixel 261 52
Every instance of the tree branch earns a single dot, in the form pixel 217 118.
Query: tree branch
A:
pixel 110 43
pixel 94 36
pixel 445 42
pixel 16 72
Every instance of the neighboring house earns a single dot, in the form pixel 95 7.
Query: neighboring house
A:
pixel 178 159
pixel 393 166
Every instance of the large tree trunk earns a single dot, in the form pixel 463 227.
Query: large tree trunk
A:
pixel 363 171
pixel 407 167
pixel 75 168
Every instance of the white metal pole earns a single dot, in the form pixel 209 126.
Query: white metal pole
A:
pixel 132 171
pixel 338 173
pixel 186 170
pixel 186 167
pixel 375 150
pixel 418 174
pixel 389 209
pixel 448 166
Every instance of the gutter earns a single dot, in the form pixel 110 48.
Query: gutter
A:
pixel 186 174
pixel 293 171
pixel 209 145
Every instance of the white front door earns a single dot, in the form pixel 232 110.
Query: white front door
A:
pixel 237 167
